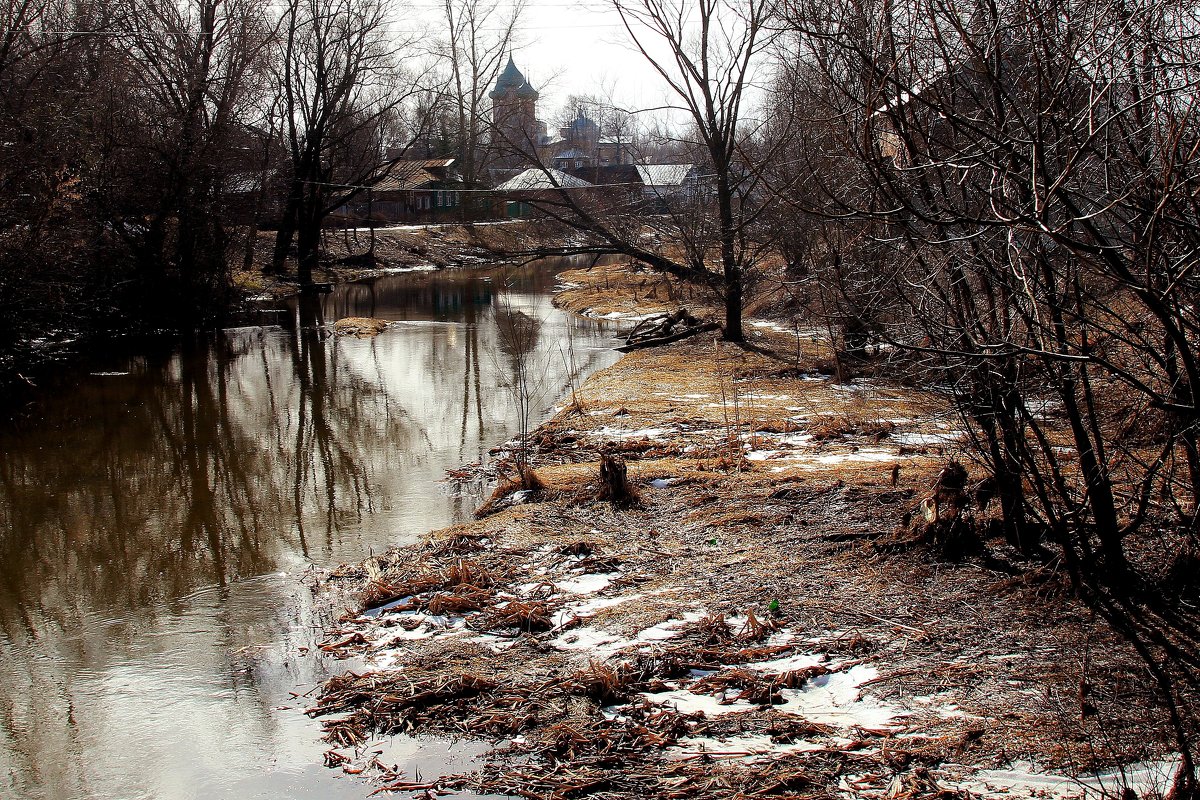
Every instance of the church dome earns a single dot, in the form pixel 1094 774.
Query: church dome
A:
pixel 512 79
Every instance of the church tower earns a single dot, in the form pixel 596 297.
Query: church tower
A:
pixel 515 131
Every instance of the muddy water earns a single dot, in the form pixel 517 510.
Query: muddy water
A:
pixel 157 509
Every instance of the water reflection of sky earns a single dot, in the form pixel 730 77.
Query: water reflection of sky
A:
pixel 153 523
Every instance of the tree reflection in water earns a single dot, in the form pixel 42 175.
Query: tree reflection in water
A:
pixel 139 654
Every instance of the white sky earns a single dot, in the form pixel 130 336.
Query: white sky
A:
pixel 567 47
pixel 583 48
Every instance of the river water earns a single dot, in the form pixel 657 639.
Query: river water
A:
pixel 158 510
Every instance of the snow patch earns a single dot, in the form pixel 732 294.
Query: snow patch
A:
pixel 623 433
pixel 1024 779
pixel 835 699
pixel 748 746
pixel 588 584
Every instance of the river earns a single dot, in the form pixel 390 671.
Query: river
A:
pixel 159 509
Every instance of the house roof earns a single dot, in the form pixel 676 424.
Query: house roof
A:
pixel 536 178
pixel 413 174
pixel 664 174
pixel 574 152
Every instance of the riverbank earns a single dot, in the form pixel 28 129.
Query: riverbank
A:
pixel 757 620
pixel 348 255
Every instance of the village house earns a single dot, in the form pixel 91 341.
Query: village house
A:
pixel 426 190
pixel 520 194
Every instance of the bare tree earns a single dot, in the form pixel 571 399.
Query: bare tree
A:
pixel 343 84
pixel 479 35
pixel 714 232
pixel 1032 165
pixel 198 66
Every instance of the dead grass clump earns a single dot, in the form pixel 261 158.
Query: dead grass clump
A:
pixel 1044 583
pixel 830 428
pixel 737 462
pixel 465 598
pixel 755 630
pixel 644 448
pixel 520 615
pixel 797 678
pixel 753 687
pixel 579 548
pixel 381 592
pixel 776 426
pixel 388 703
pixel 469 579
pixel 461 543
pixel 468 573
pixel 709 630
pixel 604 683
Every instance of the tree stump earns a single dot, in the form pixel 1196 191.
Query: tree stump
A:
pixel 614 480
pixel 943 522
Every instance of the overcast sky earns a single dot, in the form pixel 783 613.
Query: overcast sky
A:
pixel 583 48
pixel 567 47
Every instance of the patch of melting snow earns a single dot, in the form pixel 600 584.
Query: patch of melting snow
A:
pixel 589 583
pixel 1024 779
pixel 623 433
pixel 809 461
pixel 589 607
pixel 600 643
pixel 747 746
pixel 622 315
pixel 865 454
pixel 785 636
pixel 835 699
pixel 670 628
pixel 779 666
pixel 604 643
pixel 429 626
pixel 686 702
pixel 763 323
pixel 108 374
pixel 917 439
pixel 662 483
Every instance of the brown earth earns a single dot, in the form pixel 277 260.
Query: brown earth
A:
pixel 759 621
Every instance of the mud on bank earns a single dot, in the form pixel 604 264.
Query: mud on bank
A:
pixel 757 622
